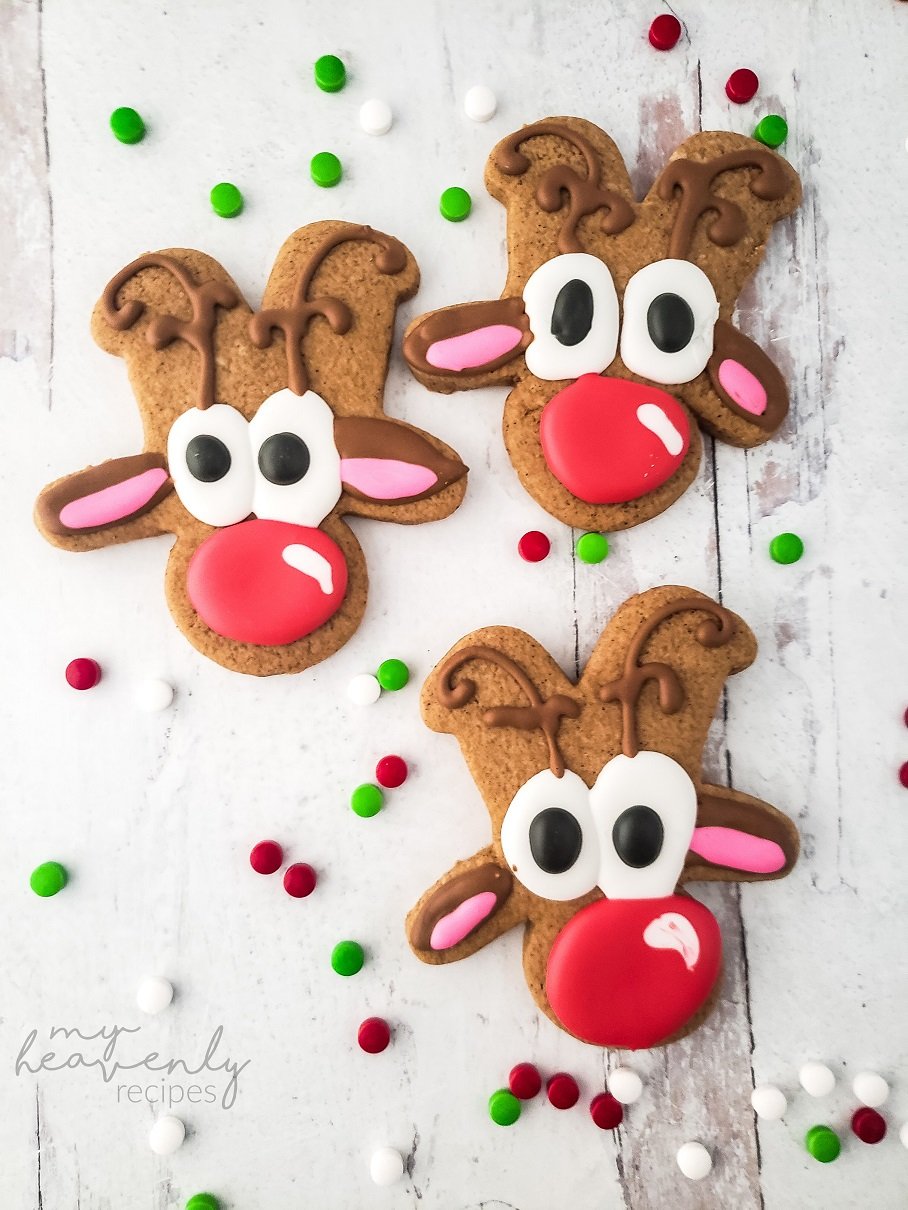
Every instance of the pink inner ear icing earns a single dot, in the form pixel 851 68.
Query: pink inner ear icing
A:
pixel 738 850
pixel 386 478
pixel 460 923
pixel 473 348
pixel 745 388
pixel 113 503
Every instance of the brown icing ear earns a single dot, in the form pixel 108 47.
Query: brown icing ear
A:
pixel 739 838
pixel 471 905
pixel 386 461
pixel 472 345
pixel 748 384
pixel 100 505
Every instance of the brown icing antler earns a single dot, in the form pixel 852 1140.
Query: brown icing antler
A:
pixel 164 329
pixel 544 714
pixel 717 630
pixel 294 320
pixel 695 178
pixel 586 195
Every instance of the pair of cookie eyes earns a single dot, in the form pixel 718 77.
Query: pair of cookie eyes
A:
pixel 669 312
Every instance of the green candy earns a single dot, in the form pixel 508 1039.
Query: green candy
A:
pixel 771 130
pixel 822 1143
pixel 325 169
pixel 330 73
pixel 455 204
pixel 591 548
pixel 203 1201
pixel 367 800
pixel 786 548
pixel 48 879
pixel 127 125
pixel 504 1107
pixel 392 674
pixel 347 958
pixel 226 200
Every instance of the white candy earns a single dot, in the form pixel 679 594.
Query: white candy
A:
pixel 903 1134
pixel 625 1085
pixel 153 695
pixel 694 1161
pixel 386 1166
pixel 769 1102
pixel 154 994
pixel 166 1135
pixel 364 689
pixel 480 103
pixel 870 1089
pixel 376 117
pixel 817 1079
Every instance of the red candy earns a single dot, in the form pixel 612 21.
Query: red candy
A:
pixel 606 1112
pixel 266 857
pixel 868 1125
pixel 903 775
pixel 300 880
pixel 741 86
pixel 374 1035
pixel 391 772
pixel 524 1081
pixel 533 546
pixel 665 32
pixel 83 673
pixel 562 1090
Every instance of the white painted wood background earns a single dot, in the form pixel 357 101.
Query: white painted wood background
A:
pixel 154 815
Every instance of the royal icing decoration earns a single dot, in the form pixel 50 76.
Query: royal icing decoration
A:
pixel 572 308
pixel 669 313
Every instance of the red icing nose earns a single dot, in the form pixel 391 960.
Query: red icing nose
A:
pixel 630 972
pixel 610 441
pixel 266 582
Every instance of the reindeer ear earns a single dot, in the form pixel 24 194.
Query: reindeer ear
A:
pixel 105 504
pixel 739 838
pixel 471 345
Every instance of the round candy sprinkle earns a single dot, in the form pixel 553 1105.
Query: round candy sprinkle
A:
pixel 300 880
pixel 786 548
pixel 393 674
pixel 868 1124
pixel 533 546
pixel 665 31
pixel 386 1166
pixel 870 1089
pixel 606 1111
pixel 153 695
pixel 364 689
pixel 127 125
pixel 769 1102
pixel 694 1161
pixel 266 857
pixel 625 1085
pixel 816 1079
pixel 822 1143
pixel 166 1135
pixel 903 774
pixel 330 73
pixel 376 117
pixel 771 130
pixel 455 204
pixel 325 169
pixel 226 200
pixel 903 1134
pixel 525 1081
pixel 374 1035
pixel 48 879
pixel 591 548
pixel 367 800
pixel 155 993
pixel 347 958
pixel 480 103
pixel 391 772
pixel 562 1090
pixel 203 1201
pixel 83 673
pixel 741 86
pixel 504 1107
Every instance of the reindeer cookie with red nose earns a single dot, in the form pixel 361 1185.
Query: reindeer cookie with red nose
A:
pixel 262 430
pixel 614 329
pixel 599 816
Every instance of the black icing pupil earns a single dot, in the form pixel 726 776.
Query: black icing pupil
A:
pixel 671 323
pixel 637 836
pixel 284 459
pixel 555 840
pixel 572 314
pixel 208 458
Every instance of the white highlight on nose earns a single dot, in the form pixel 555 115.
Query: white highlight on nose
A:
pixel 310 563
pixel 652 417
pixel 671 931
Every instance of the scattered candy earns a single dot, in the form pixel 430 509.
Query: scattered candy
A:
pixel 374 1035
pixel 203 1201
pixel 367 800
pixel 816 1079
pixel 330 73
pixel 562 1090
pixel 741 86
pixel 166 1135
pixel 533 546
pixel 822 1143
pixel 625 1085
pixel 694 1161
pixel 771 130
pixel 504 1107
pixel 868 1125
pixel 364 689
pixel 83 673
pixel 347 958
pixel 903 774
pixel 153 695
pixel 665 31
pixel 48 879
pixel 386 1166
pixel 525 1081
pixel 155 994
pixel 769 1102
pixel 905 718
pixel 606 1111
pixel 376 117
pixel 266 857
pixel 226 200
pixel 591 548
pixel 480 104
pixel 870 1089
pixel 455 204
pixel 300 880
pixel 127 125
pixel 325 169
pixel 393 674
pixel 786 548
pixel 903 1134
pixel 391 772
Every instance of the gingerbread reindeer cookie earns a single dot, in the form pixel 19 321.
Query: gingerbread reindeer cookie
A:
pixel 262 430
pixel 599 815
pixel 615 326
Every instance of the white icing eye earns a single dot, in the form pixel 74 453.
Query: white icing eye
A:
pixel 209 461
pixel 548 836
pixel 573 312
pixel 670 310
pixel 297 466
pixel 645 810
